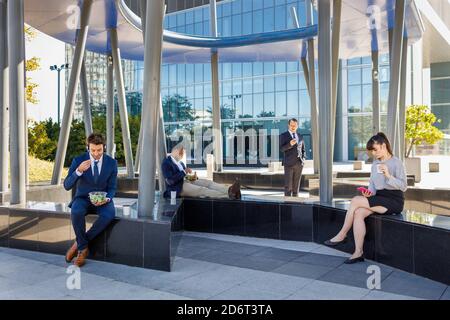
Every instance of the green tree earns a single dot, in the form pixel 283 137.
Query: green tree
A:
pixel 178 108
pixel 40 145
pixel 420 127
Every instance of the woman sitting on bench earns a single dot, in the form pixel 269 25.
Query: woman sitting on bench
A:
pixel 384 196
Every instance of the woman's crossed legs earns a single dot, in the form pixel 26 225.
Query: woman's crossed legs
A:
pixel 359 210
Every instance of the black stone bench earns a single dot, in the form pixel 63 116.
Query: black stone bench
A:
pixel 414 242
pixel 131 240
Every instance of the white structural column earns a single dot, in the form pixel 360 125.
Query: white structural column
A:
pixel 402 101
pixel 161 135
pixel 217 128
pixel 120 85
pixel 312 92
pixel 16 55
pixel 325 103
pixel 375 93
pixel 150 104
pixel 394 84
pixel 87 115
pixel 335 44
pixel 71 90
pixel 4 97
pixel 110 107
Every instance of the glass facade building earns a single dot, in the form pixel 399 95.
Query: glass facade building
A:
pixel 256 95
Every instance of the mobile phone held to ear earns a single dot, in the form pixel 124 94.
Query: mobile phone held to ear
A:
pixel 364 190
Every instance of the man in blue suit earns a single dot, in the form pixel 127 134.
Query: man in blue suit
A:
pixel 90 172
pixel 175 172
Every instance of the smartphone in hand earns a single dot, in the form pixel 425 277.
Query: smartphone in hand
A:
pixel 364 190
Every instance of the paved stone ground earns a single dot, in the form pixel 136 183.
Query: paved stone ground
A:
pixel 215 267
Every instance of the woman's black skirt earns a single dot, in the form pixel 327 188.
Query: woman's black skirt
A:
pixel 393 200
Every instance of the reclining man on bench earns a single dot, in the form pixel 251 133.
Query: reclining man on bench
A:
pixel 178 178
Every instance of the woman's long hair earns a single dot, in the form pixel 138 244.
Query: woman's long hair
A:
pixel 379 138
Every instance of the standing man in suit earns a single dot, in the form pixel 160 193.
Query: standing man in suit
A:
pixel 293 148
pixel 90 172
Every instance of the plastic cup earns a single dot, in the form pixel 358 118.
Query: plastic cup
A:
pixel 173 197
pixel 379 168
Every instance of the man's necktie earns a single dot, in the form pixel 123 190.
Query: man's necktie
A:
pixel 96 174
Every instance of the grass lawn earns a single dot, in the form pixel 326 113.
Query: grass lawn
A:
pixel 40 170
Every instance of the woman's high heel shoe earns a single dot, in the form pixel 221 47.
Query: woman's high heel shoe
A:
pixel 330 243
pixel 355 260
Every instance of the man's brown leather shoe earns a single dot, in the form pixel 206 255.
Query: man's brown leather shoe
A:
pixel 81 258
pixel 234 192
pixel 71 253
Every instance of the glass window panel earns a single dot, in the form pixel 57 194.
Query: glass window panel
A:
pixel 198 15
pixel 199 91
pixel 269 23
pixel 247 69
pixel 237 25
pixel 258 104
pixel 292 103
pixel 367 98
pixel 246 5
pixel 280 18
pixel 172 74
pixel 354 61
pixel 181 70
pixel 280 83
pixel 440 91
pixel 248 86
pixel 354 76
pixel 247 101
pixel 198 28
pixel 237 6
pixel 384 96
pixel 165 76
pixel 226 9
pixel 189 73
pixel 247 23
pixel 305 106
pixel 268 3
pixel 367 75
pixel 269 84
pixel 257 68
pixel 257 21
pixel 258 85
pixel 207 93
pixel 257 4
pixel 207 72
pixel 292 82
pixel 269 68
pixel 237 70
pixel 226 85
pixel 237 87
pixel 181 19
pixel 190 92
pixel 226 27
pixel 354 99
pixel 226 69
pixel 280 67
pixel 198 72
pixel 292 66
pixel 269 104
pixel 359 131
pixel 384 74
pixel 280 109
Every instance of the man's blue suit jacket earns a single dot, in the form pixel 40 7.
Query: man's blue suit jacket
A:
pixel 173 176
pixel 107 180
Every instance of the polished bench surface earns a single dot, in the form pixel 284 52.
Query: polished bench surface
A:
pixel 137 241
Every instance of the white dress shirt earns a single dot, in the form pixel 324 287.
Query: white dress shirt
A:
pixel 178 163
pixel 99 166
